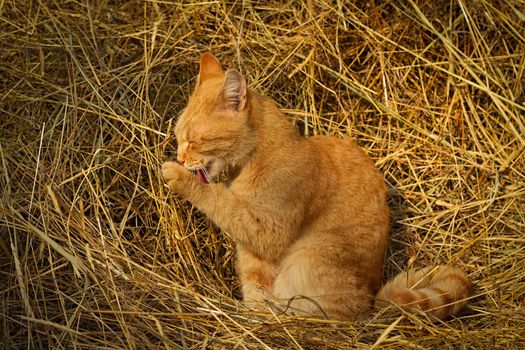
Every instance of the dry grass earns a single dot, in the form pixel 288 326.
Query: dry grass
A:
pixel 96 254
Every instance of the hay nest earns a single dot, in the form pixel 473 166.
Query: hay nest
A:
pixel 95 253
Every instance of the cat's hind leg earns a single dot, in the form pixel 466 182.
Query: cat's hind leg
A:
pixel 327 274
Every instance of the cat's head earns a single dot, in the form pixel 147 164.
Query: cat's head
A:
pixel 214 131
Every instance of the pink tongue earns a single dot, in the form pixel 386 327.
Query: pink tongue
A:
pixel 201 177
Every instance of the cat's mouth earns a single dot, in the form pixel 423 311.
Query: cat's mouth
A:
pixel 202 175
pixel 206 172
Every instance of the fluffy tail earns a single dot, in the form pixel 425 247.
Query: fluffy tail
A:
pixel 440 291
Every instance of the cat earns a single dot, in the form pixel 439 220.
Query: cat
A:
pixel 309 216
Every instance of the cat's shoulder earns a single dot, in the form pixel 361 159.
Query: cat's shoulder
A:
pixel 333 141
pixel 338 148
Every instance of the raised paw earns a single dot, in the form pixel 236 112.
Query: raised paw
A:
pixel 177 176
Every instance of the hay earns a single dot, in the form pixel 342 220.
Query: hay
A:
pixel 96 254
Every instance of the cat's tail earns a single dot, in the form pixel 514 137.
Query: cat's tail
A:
pixel 440 291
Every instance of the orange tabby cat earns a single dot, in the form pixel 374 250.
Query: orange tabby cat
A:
pixel 309 215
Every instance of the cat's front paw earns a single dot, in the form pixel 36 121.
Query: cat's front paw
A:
pixel 178 177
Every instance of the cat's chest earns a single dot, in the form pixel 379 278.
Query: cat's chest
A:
pixel 247 190
pixel 248 182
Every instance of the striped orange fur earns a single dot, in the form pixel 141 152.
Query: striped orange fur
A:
pixel 440 291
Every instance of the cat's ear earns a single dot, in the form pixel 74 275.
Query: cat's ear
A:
pixel 234 90
pixel 210 68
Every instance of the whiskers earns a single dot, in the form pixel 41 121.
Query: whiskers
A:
pixel 206 175
pixel 209 179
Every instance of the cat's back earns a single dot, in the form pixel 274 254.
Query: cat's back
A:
pixel 348 180
pixel 344 157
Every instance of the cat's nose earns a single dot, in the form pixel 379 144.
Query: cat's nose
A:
pixel 180 158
